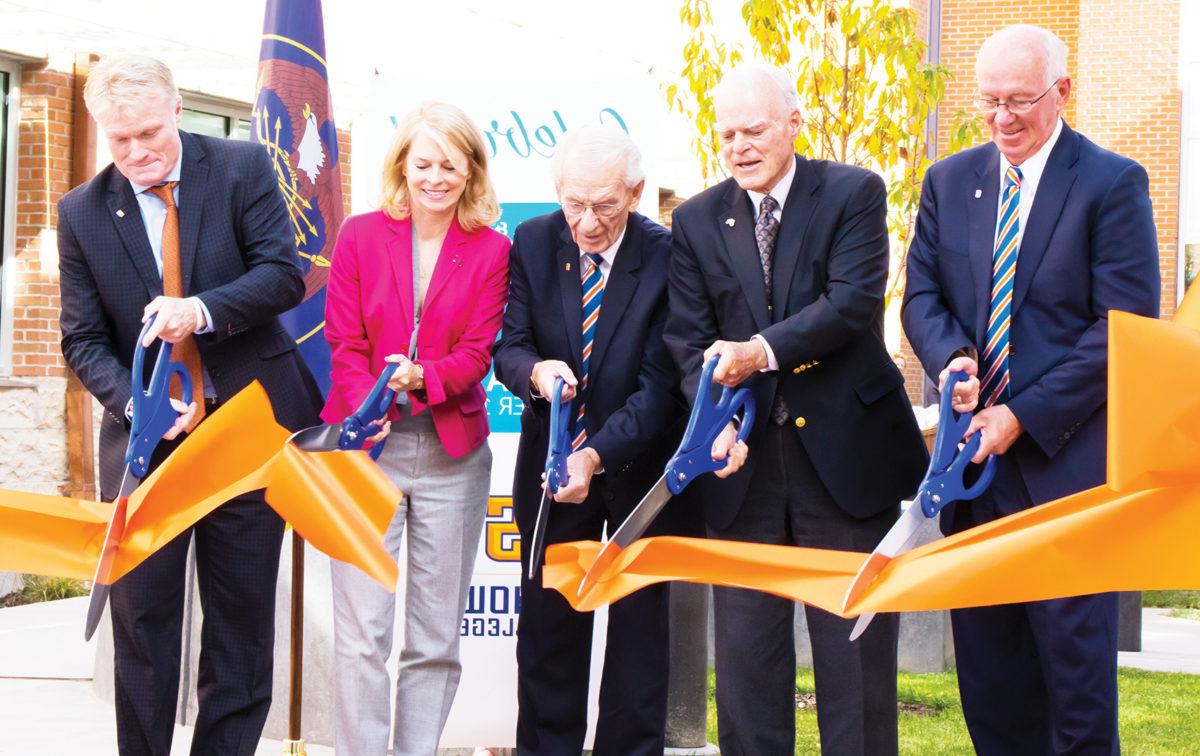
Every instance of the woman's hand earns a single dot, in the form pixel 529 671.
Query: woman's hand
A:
pixel 409 376
pixel 385 427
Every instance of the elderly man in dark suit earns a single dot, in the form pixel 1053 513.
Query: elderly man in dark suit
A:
pixel 587 303
pixel 194 230
pixel 781 271
pixel 1022 247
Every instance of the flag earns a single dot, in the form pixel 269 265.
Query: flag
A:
pixel 293 119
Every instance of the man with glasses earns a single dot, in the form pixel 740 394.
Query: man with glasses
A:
pixel 587 303
pixel 1022 247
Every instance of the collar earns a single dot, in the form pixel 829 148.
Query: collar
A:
pixel 1032 168
pixel 609 254
pixel 779 191
pixel 172 176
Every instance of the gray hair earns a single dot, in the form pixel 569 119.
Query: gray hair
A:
pixel 594 149
pixel 751 74
pixel 124 82
pixel 1049 48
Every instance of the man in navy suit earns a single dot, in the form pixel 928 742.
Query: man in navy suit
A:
pixel 202 220
pixel 1022 247
pixel 781 271
pixel 597 260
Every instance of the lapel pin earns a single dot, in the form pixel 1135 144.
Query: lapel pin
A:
pixel 568 268
pixel 978 193
pixel 120 213
pixel 729 222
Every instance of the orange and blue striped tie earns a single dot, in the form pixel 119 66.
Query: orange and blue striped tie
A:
pixel 593 293
pixel 1004 271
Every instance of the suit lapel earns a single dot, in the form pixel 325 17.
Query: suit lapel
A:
pixel 618 289
pixel 127 216
pixel 450 261
pixel 736 229
pixel 400 257
pixel 797 212
pixel 570 288
pixel 193 188
pixel 981 198
pixel 1053 187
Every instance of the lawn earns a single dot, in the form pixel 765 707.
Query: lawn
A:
pixel 1158 714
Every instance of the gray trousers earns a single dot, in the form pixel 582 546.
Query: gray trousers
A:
pixel 444 504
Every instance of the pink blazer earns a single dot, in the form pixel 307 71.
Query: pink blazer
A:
pixel 369 315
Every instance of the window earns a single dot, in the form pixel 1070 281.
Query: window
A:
pixel 209 116
pixel 9 84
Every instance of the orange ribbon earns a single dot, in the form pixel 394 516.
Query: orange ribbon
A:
pixel 1137 532
pixel 341 502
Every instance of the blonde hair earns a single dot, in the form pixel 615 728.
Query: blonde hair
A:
pixel 126 82
pixel 448 126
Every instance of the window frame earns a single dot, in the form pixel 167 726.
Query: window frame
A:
pixel 9 241
pixel 234 110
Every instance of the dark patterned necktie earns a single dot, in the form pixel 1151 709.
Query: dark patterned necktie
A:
pixel 766 231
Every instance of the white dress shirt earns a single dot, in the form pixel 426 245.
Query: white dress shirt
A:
pixel 1031 175
pixel 779 192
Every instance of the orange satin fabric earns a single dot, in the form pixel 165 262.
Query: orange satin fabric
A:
pixel 1135 533
pixel 341 502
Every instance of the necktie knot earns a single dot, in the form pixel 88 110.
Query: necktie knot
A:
pixel 1014 175
pixel 595 258
pixel 767 207
pixel 165 192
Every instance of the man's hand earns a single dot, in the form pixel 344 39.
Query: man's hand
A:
pixel 543 376
pixel 739 360
pixel 725 446
pixel 581 466
pixel 176 320
pixel 186 413
pixel 1000 429
pixel 408 377
pixel 966 393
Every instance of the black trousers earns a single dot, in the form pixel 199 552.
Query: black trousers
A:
pixel 787 503
pixel 237 563
pixel 554 649
pixel 1038 677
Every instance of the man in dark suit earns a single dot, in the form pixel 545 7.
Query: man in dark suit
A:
pixel 1022 247
pixel 781 271
pixel 194 230
pixel 587 302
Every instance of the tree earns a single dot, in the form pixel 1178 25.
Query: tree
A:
pixel 864 88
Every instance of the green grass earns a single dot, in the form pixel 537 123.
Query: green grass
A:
pixel 1172 599
pixel 1188 614
pixel 40 588
pixel 1158 714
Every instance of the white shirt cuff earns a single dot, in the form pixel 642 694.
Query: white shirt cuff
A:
pixel 202 316
pixel 772 363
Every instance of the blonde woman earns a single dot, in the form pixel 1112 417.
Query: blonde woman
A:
pixel 421 282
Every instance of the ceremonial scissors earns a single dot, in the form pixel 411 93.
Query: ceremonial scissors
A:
pixel 693 457
pixel 555 475
pixel 943 484
pixel 153 416
pixel 354 431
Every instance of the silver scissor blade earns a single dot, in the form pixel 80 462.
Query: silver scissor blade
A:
pixel 632 529
pixel 102 580
pixel 539 534
pixel 901 538
pixel 318 438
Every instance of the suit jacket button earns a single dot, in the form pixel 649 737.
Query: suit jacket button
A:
pixel 801 422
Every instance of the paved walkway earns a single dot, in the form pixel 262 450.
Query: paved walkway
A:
pixel 47 705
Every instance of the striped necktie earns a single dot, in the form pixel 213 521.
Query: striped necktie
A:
pixel 1004 270
pixel 593 293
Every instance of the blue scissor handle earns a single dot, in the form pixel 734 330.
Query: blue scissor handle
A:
pixel 706 422
pixel 943 482
pixel 153 414
pixel 560 439
pixel 358 427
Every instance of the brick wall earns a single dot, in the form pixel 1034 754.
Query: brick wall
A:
pixel 1125 97
pixel 43 175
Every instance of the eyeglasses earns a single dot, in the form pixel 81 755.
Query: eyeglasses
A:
pixel 988 105
pixel 606 210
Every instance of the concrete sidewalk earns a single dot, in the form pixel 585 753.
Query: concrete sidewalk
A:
pixel 47 705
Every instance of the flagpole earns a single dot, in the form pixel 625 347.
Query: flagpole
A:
pixel 294 745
